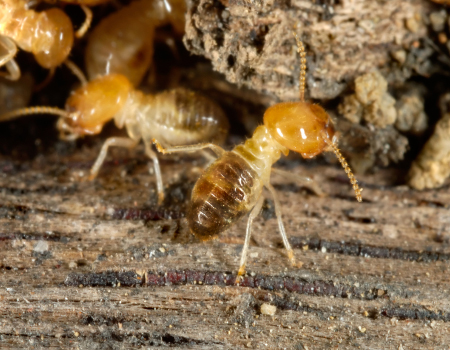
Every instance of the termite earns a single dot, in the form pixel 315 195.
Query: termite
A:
pixel 174 117
pixel 78 2
pixel 49 35
pixel 123 42
pixel 232 186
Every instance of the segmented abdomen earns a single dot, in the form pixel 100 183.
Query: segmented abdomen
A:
pixel 183 117
pixel 122 43
pixel 226 191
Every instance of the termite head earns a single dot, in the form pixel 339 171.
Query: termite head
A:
pixel 304 127
pixel 94 104
pixel 55 41
pixel 301 127
pixel 87 109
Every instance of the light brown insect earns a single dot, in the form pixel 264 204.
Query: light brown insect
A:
pixel 123 42
pixel 78 2
pixel 174 117
pixel 48 35
pixel 232 186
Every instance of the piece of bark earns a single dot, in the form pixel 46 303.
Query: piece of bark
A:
pixel 251 42
pixel 98 265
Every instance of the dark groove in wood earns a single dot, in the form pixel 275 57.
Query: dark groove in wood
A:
pixel 364 250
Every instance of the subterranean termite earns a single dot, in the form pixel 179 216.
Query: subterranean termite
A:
pixel 47 34
pixel 173 117
pixel 123 42
pixel 232 186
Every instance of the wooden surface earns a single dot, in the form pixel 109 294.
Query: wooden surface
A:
pixel 97 265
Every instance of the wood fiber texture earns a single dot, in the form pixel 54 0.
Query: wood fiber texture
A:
pixel 251 42
pixel 96 265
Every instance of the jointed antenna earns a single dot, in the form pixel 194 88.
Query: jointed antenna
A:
pixel 302 79
pixel 347 169
pixel 33 110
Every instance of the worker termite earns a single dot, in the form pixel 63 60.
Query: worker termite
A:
pixel 123 42
pixel 174 117
pixel 232 186
pixel 48 34
pixel 78 2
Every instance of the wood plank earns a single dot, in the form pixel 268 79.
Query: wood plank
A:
pixel 98 264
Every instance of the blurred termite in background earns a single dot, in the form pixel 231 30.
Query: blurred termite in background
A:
pixel 123 42
pixel 48 34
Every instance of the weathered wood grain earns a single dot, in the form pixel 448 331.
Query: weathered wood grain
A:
pixel 94 265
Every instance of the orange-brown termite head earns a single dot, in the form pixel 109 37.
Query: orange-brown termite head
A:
pixel 48 34
pixel 96 103
pixel 304 127
pixel 87 109
pixel 301 127
pixel 55 41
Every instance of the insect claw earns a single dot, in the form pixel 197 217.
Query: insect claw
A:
pixel 158 146
pixel 240 274
pixel 160 198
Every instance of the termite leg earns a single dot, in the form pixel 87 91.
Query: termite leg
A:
pixel 157 169
pixel 87 22
pixel 112 141
pixel 12 69
pixel 304 181
pixel 248 233
pixel 10 47
pixel 290 252
pixel 208 156
pixel 191 148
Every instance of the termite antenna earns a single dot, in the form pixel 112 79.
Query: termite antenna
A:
pixel 347 169
pixel 33 110
pixel 87 22
pixel 302 78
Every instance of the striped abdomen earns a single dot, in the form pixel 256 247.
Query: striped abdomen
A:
pixel 183 117
pixel 227 190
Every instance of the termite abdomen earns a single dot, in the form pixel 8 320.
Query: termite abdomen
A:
pixel 225 193
pixel 190 117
